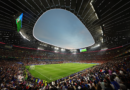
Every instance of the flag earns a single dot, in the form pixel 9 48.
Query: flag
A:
pixel 38 81
pixel 45 83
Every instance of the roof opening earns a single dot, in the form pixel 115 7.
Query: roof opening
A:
pixel 62 28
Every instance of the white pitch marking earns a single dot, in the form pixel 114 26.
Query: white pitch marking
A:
pixel 42 74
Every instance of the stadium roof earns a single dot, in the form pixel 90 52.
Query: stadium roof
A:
pixel 107 20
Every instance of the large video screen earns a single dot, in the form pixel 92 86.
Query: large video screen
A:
pixel 83 50
pixel 19 22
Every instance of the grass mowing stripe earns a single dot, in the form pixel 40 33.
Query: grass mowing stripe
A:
pixel 52 69
pixel 51 72
pixel 50 77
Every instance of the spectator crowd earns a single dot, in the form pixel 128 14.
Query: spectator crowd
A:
pixel 113 75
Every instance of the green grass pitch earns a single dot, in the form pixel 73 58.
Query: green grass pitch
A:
pixel 53 72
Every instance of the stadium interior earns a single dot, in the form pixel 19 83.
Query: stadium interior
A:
pixel 29 64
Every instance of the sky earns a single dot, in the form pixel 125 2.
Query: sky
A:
pixel 63 29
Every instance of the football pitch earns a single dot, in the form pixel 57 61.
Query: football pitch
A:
pixel 52 72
